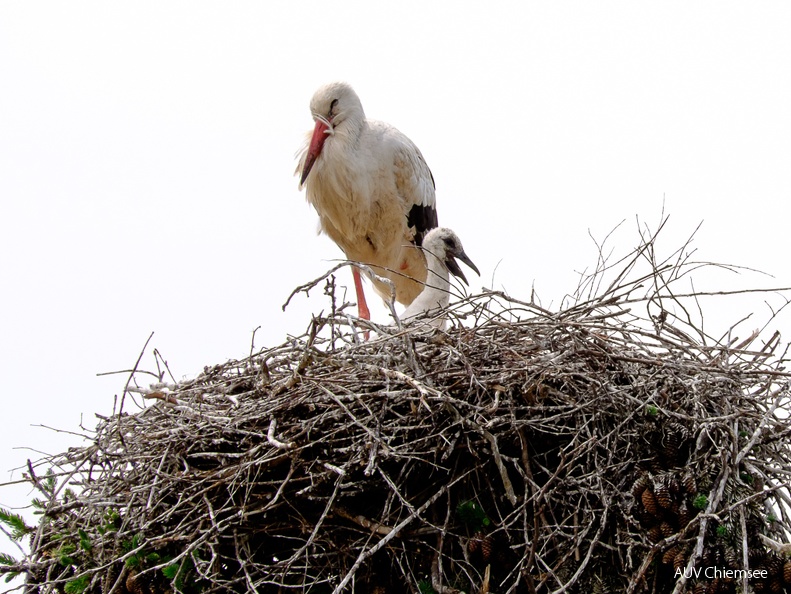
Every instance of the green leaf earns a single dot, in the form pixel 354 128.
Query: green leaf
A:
pixel 50 482
pixel 170 571
pixel 7 559
pixel 133 561
pixel 472 514
pixel 15 523
pixel 85 542
pixel 11 576
pixel 112 521
pixel 651 410
pixel 77 586
pixel 64 553
pixel 700 502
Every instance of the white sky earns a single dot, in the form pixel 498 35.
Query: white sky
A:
pixel 147 152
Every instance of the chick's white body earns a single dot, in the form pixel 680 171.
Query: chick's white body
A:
pixel 440 246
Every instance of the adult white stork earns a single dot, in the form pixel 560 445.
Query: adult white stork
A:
pixel 441 246
pixel 372 190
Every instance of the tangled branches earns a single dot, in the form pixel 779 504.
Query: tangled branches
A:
pixel 587 450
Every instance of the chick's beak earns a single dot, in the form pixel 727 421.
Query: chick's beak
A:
pixel 453 266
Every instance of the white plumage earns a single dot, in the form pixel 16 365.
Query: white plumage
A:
pixel 441 246
pixel 372 190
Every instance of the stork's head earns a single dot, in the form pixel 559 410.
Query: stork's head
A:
pixel 446 246
pixel 335 107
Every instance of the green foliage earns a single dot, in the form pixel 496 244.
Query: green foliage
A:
pixel 110 522
pixel 171 570
pixel 16 524
pixel 77 586
pixel 64 553
pixel 187 568
pixel 723 531
pixel 700 502
pixel 472 515
pixel 133 561
pixel 179 574
pixel 48 484
pixel 747 478
pixel 130 545
pixel 85 542
pixel 651 410
pixel 425 587
pixel 8 560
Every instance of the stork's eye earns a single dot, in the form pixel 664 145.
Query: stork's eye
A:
pixel 332 107
pixel 449 242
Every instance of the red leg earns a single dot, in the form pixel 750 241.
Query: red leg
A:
pixel 362 306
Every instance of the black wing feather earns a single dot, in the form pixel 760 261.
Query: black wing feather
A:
pixel 423 218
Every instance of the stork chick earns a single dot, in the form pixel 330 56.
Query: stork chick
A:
pixel 441 246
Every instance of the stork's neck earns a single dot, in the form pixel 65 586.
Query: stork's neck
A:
pixel 437 280
pixel 347 133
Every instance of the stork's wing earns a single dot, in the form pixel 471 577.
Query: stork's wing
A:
pixel 415 185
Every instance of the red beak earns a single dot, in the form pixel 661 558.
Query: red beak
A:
pixel 314 150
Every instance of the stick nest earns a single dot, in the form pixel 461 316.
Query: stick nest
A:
pixel 606 447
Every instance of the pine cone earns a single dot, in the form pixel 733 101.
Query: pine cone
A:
pixel 671 448
pixel 136 584
pixel 775 566
pixel 482 544
pixel 714 586
pixel 640 485
pixel 474 544
pixel 787 572
pixel 487 544
pixel 757 557
pixel 662 494
pixel 684 514
pixel 667 529
pixel 689 483
pixel 655 533
pixel 776 585
pixel 732 558
pixel 680 562
pixel 670 555
pixel 649 502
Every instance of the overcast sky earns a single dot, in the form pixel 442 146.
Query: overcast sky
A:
pixel 147 157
